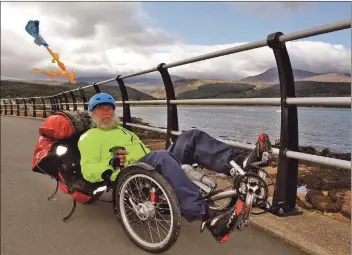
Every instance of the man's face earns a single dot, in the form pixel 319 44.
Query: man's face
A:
pixel 104 116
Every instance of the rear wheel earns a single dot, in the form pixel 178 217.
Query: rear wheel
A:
pixel 148 209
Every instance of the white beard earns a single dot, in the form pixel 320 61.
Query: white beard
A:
pixel 97 123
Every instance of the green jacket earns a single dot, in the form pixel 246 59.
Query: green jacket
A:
pixel 94 146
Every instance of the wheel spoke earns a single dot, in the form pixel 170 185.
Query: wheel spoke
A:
pixel 163 219
pixel 157 222
pixel 151 236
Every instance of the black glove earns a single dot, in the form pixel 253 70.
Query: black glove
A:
pixel 118 155
pixel 106 175
pixel 115 162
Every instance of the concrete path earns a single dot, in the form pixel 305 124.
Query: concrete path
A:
pixel 30 225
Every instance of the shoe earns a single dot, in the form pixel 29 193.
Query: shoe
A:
pixel 220 224
pixel 263 145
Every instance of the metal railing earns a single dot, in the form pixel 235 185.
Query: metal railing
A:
pixel 286 182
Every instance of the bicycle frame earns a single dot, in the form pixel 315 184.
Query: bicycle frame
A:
pixel 236 170
pixel 223 195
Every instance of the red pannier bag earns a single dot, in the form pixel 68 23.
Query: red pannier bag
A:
pixel 54 128
pixel 62 125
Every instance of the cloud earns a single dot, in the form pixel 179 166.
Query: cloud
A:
pixel 119 23
pixel 120 38
pixel 295 5
pixel 272 9
pixel 81 32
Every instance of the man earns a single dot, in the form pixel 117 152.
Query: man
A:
pixel 193 146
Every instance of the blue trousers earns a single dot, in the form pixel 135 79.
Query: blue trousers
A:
pixel 193 146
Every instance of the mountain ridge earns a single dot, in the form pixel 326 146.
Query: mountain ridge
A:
pixel 153 87
pixel 151 79
pixel 302 89
pixel 13 89
pixel 272 76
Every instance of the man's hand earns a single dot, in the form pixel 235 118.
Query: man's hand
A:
pixel 118 160
pixel 121 155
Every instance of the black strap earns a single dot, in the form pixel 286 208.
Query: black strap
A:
pixel 71 212
pixel 56 189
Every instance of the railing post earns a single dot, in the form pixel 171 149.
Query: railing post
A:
pixel 51 104
pixel 284 202
pixel 56 103
pixel 2 108
pixel 44 108
pixel 96 87
pixel 172 117
pixel 126 117
pixel 53 101
pixel 5 104
pixel 34 114
pixel 11 107
pixel 25 107
pixel 84 98
pixel 74 103
pixel 60 101
pixel 18 107
pixel 66 101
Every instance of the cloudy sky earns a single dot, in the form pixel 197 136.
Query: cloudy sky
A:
pixel 110 38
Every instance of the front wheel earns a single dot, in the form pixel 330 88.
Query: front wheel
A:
pixel 148 209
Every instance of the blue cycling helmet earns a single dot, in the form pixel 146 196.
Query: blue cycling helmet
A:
pixel 101 98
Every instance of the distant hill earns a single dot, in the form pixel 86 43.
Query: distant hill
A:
pixel 184 85
pixel 148 87
pixel 219 90
pixel 308 89
pixel 271 75
pixel 179 86
pixel 11 89
pixel 142 80
pixel 145 88
pixel 259 81
pixel 303 89
pixel 330 77
pixel 45 82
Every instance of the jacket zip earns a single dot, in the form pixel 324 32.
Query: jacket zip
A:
pixel 129 134
pixel 143 148
pixel 132 141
